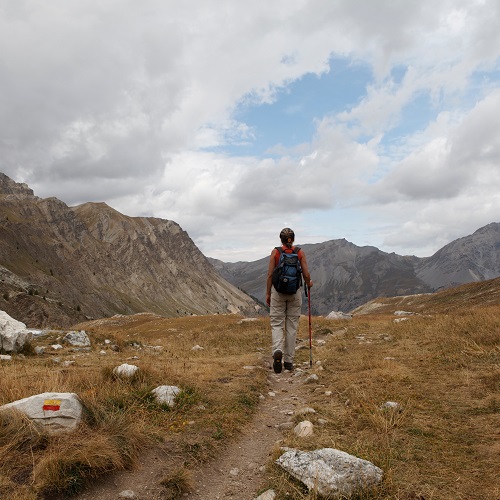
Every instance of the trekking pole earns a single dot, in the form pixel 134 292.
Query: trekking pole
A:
pixel 308 295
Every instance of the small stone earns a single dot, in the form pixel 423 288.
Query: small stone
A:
pixel 391 405
pixel 127 494
pixel 304 429
pixel 267 495
pixel 305 411
pixel 79 339
pixel 166 394
pixel 125 370
pixel 311 378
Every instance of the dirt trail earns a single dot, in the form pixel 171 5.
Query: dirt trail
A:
pixel 239 472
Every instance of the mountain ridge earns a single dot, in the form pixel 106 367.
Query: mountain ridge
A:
pixel 345 275
pixel 60 265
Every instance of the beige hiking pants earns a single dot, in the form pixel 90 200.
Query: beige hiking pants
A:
pixel 285 314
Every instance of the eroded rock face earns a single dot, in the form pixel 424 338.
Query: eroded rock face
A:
pixel 56 412
pixel 330 471
pixel 98 262
pixel 13 333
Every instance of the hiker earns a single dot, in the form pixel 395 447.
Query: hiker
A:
pixel 284 297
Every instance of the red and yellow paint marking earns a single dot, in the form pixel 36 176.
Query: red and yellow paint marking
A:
pixel 51 405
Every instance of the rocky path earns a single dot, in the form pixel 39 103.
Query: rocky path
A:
pixel 240 472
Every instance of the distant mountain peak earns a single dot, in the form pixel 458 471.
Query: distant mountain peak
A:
pixel 17 189
pixel 346 275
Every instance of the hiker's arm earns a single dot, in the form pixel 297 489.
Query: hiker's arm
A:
pixel 269 282
pixel 305 271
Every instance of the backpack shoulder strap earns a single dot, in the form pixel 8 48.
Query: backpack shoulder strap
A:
pixel 278 256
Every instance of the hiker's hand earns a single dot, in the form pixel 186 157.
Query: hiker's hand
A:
pixel 268 299
pixel 310 284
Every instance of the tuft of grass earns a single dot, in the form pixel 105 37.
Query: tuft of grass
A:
pixel 442 369
pixel 66 467
pixel 122 418
pixel 177 483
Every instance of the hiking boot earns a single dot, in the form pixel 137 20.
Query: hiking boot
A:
pixel 277 357
pixel 288 366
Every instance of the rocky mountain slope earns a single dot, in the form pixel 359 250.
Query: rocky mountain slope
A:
pixel 466 260
pixel 60 265
pixel 346 276
pixel 460 298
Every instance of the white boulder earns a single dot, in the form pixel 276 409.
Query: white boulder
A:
pixel 330 471
pixel 13 333
pixel 165 394
pixel 78 339
pixel 56 412
pixel 125 370
pixel 403 313
pixel 339 315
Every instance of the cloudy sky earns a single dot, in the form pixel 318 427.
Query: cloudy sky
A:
pixel 371 120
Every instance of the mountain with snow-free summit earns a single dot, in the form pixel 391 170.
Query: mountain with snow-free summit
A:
pixel 60 265
pixel 346 276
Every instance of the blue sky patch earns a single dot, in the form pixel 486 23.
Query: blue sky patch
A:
pixel 291 118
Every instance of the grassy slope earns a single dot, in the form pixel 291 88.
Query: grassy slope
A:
pixel 441 366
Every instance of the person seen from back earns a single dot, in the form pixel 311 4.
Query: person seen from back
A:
pixel 285 307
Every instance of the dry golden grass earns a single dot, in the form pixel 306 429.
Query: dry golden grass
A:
pixel 178 482
pixel 122 418
pixel 441 367
pixel 443 370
